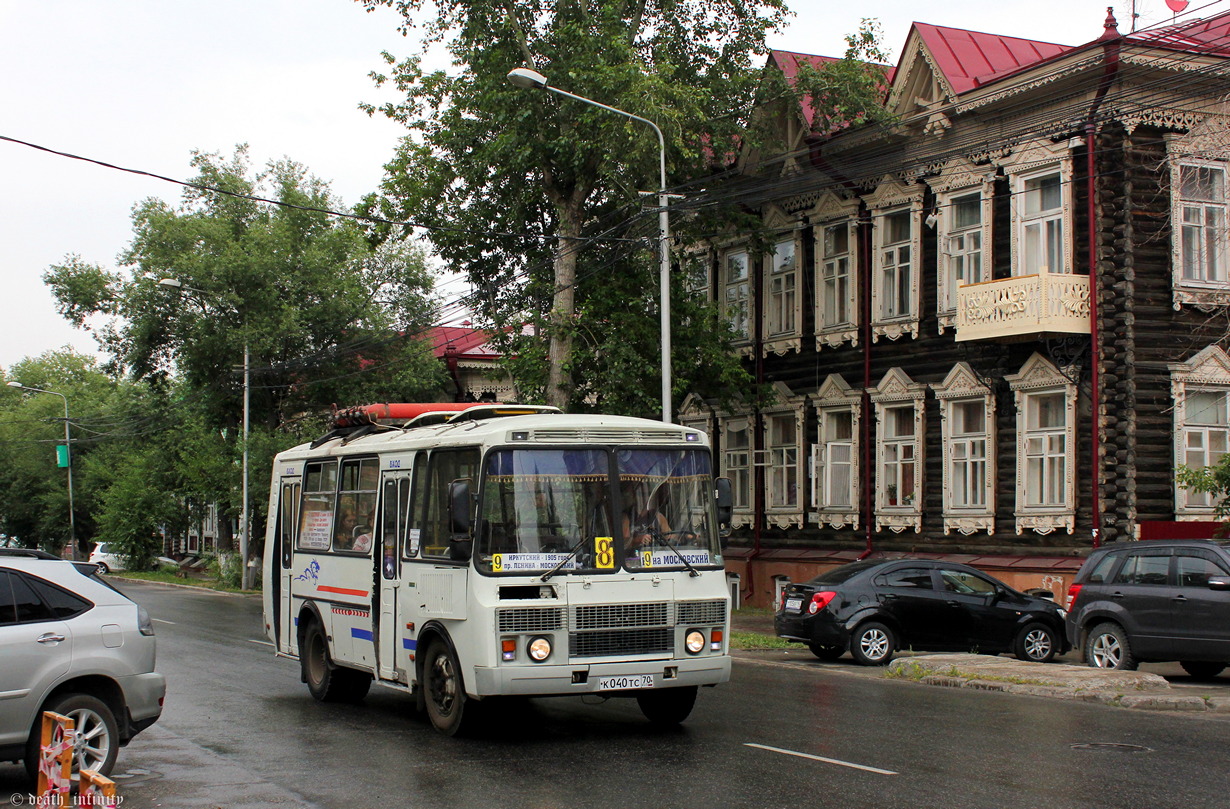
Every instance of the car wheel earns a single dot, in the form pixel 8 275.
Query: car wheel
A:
pixel 826 653
pixel 97 741
pixel 1107 648
pixel 444 690
pixel 873 644
pixel 102 568
pixel 1036 643
pixel 326 681
pixel 667 706
pixel 1202 669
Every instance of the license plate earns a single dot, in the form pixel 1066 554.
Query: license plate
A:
pixel 626 681
pixel 794 604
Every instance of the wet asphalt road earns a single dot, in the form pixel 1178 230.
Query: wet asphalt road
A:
pixel 240 730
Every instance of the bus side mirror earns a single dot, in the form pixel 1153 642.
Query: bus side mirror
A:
pixel 460 521
pixel 725 505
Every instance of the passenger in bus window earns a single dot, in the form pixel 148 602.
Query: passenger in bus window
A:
pixel 642 521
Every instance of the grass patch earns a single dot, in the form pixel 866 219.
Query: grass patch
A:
pixel 167 577
pixel 752 641
pixel 910 670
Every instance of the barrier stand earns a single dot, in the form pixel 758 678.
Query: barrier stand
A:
pixel 97 791
pixel 55 764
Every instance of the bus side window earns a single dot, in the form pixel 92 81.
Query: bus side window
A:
pixel 396 493
pixel 356 520
pixel 416 508
pixel 288 521
pixel 319 498
pixel 443 468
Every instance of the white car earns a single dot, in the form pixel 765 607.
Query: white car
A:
pixel 105 560
pixel 73 644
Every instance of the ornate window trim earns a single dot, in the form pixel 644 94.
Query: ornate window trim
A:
pixel 963 385
pixel 1038 376
pixel 893 197
pixel 743 342
pixel 1207 371
pixel 1028 162
pixel 698 415
pixel 784 340
pixel 696 264
pixel 1205 148
pixel 960 178
pixel 744 502
pixel 834 397
pixel 897 390
pixel 786 406
pixel 831 211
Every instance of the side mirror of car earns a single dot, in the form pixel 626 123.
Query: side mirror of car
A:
pixel 460 521
pixel 1219 583
pixel 725 505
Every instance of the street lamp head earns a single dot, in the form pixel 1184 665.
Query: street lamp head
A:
pixel 171 283
pixel 15 384
pixel 529 79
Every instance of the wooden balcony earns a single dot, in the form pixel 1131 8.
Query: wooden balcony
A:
pixel 1023 307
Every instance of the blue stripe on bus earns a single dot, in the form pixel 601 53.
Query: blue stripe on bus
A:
pixel 409 643
pixel 361 634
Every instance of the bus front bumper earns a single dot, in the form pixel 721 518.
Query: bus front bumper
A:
pixel 599 678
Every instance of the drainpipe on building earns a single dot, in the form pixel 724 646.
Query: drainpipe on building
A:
pixel 864 267
pixel 1110 40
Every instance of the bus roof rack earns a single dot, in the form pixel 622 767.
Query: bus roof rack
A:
pixel 350 423
pixel 493 411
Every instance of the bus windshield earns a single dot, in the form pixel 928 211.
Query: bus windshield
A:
pixel 589 510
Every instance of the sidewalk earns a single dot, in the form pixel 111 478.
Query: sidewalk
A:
pixel 1067 679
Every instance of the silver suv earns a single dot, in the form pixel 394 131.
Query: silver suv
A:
pixel 72 644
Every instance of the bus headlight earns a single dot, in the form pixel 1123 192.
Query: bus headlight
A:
pixel 539 649
pixel 694 642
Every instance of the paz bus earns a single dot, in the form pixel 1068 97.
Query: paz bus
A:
pixel 464 552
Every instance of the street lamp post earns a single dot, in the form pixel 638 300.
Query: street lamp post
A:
pixel 244 531
pixel 532 79
pixel 68 457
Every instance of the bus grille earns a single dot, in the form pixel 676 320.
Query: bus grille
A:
pixel 620 616
pixel 621 642
pixel 525 619
pixel 702 612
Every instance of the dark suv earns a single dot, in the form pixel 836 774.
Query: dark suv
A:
pixel 1154 600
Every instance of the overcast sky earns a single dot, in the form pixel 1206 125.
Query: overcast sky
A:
pixel 140 83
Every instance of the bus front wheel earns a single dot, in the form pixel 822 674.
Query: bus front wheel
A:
pixel 326 681
pixel 667 706
pixel 444 692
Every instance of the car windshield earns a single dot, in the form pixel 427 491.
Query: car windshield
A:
pixel 844 573
pixel 576 509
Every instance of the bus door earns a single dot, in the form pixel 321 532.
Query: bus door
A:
pixel 391 654
pixel 284 634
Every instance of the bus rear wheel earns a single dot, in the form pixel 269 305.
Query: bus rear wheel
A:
pixel 667 706
pixel 326 681
pixel 444 691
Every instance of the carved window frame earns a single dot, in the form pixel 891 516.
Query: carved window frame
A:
pixel 784 340
pixel 736 459
pixel 1039 377
pixel 789 409
pixel 747 300
pixel 696 266
pixel 893 197
pixel 958 180
pixel 963 386
pixel 834 398
pixel 695 413
pixel 1199 292
pixel 1028 162
pixel 1206 372
pixel 832 212
pixel 897 391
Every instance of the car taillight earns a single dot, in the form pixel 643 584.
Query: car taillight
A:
pixel 1073 591
pixel 820 600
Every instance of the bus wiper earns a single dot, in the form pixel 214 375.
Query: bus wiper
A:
pixel 656 534
pixel 572 552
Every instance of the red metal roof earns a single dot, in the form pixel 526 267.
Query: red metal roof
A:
pixel 461 341
pixel 788 63
pixel 1211 35
pixel 969 59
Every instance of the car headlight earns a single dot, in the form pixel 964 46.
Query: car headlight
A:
pixel 694 642
pixel 539 649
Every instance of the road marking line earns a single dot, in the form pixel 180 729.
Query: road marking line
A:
pixel 159 620
pixel 261 642
pixel 838 762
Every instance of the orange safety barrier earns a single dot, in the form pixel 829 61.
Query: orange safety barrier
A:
pixel 97 791
pixel 55 764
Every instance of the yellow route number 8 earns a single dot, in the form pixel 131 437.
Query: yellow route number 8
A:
pixel 604 553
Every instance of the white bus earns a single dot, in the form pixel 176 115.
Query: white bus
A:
pixel 500 550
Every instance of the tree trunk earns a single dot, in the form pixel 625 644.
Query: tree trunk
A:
pixel 563 309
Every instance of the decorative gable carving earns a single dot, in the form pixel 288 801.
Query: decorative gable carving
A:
pixel 921 88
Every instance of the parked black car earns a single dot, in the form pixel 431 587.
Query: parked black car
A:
pixel 874 608
pixel 1156 600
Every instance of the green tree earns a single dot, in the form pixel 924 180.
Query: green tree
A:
pixel 324 315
